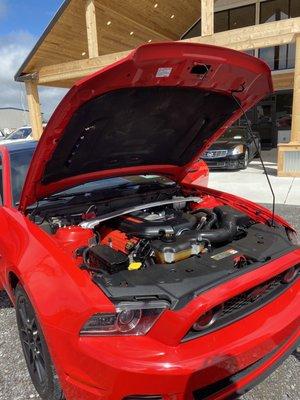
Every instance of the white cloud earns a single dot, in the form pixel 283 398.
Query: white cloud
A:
pixel 14 48
pixel 3 8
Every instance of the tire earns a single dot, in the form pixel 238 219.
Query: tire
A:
pixel 36 353
pixel 246 159
pixel 257 153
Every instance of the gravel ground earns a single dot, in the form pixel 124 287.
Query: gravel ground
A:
pixel 283 384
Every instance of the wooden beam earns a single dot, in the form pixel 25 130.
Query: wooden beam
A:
pixel 77 69
pixel 207 17
pixel 254 37
pixel 283 80
pixel 265 35
pixel 91 27
pixel 34 109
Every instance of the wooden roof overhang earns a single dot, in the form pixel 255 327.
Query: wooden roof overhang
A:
pixel 121 25
pixel 62 54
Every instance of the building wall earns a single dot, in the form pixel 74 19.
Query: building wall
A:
pixel 234 14
pixel 272 117
pixel 11 118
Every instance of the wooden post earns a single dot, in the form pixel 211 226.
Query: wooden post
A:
pixel 34 109
pixel 295 136
pixel 207 17
pixel 289 153
pixel 91 27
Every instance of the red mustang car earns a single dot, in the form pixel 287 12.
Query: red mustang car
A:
pixel 129 281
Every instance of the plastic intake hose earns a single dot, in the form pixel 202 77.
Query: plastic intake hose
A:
pixel 228 221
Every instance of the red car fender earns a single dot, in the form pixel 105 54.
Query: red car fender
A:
pixel 198 174
pixel 255 211
pixel 62 294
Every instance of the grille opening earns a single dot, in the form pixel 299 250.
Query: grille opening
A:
pixel 247 302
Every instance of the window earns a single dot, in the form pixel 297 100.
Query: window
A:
pixel 22 133
pixel 194 31
pixel 295 8
pixel 235 18
pixel 274 10
pixel 241 17
pixel 19 161
pixel 221 21
pixel 284 104
pixel 279 57
pixel 291 55
pixel 250 52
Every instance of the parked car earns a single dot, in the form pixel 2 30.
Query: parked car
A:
pixel 233 150
pixel 2 135
pixel 23 133
pixel 129 281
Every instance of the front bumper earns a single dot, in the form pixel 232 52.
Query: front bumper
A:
pixel 228 162
pixel 216 366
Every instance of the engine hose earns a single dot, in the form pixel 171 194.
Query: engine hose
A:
pixel 212 221
pixel 226 233
pixel 212 217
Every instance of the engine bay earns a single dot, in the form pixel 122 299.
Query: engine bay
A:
pixel 168 248
pixel 165 235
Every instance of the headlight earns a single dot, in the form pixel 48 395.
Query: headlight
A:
pixel 293 237
pixel 133 319
pixel 238 150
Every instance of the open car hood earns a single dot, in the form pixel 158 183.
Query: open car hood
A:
pixel 154 111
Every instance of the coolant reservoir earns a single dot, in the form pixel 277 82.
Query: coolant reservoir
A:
pixel 73 237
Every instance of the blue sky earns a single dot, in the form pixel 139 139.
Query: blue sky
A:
pixel 26 15
pixel 21 24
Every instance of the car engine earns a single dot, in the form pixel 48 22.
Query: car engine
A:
pixel 169 246
pixel 162 235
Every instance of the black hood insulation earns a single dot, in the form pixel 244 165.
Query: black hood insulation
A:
pixel 138 126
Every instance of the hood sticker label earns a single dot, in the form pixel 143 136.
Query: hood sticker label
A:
pixel 163 72
pixel 224 254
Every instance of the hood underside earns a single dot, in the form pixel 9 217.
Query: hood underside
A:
pixel 155 111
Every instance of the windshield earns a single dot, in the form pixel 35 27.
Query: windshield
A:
pixel 234 133
pixel 106 186
pixel 21 133
pixel 19 161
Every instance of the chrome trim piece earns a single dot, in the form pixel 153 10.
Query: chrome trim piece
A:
pixel 90 224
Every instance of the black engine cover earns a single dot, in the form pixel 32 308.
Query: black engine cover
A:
pixel 156 224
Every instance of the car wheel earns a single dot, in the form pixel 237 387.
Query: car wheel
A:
pixel 37 357
pixel 246 159
pixel 259 150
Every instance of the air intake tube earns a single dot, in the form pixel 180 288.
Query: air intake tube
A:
pixel 229 221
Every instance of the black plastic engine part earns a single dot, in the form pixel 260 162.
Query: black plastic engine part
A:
pixel 101 257
pixel 180 282
pixel 155 225
pixel 230 220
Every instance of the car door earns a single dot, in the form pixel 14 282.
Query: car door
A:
pixel 1 211
pixel 7 243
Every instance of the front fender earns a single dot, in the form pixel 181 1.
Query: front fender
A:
pixel 62 294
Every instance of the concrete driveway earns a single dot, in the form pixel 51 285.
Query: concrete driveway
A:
pixel 252 184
